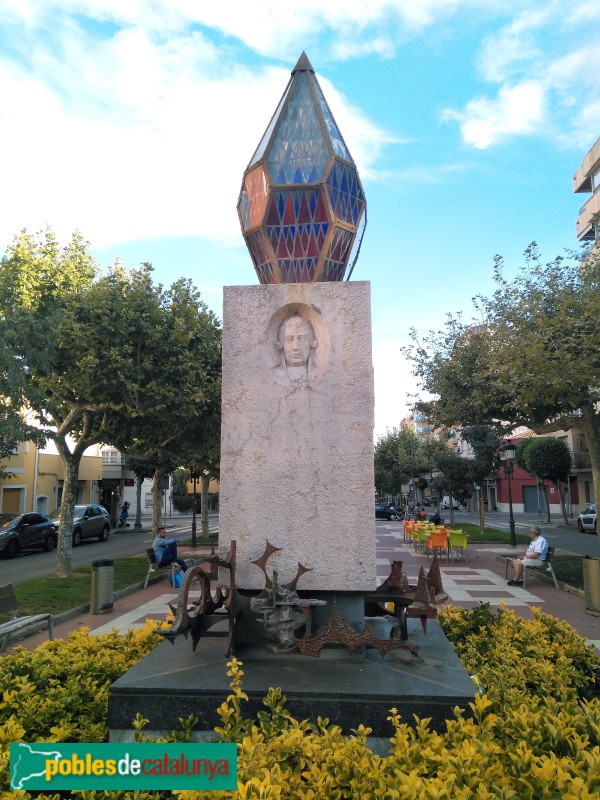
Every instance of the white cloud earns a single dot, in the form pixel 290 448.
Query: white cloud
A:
pixel 142 139
pixel 516 110
pixel 541 59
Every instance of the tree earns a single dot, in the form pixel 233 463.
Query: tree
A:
pixel 535 361
pixel 549 459
pixel 177 414
pixel 484 442
pixel 456 479
pixel 400 456
pixel 93 354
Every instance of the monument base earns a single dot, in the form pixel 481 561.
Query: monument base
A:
pixel 173 682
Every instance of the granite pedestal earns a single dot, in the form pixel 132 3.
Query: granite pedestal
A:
pixel 173 681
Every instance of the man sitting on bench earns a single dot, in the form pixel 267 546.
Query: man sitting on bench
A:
pixel 536 555
pixel 165 550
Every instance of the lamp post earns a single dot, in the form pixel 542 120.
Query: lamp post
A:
pixel 194 475
pixel 507 456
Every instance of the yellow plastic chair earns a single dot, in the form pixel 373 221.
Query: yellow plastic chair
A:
pixel 421 537
pixel 458 541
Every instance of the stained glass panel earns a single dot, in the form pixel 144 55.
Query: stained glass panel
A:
pixel 345 193
pixel 267 134
pixel 298 153
pixel 301 270
pixel 253 200
pixel 337 258
pixel 339 148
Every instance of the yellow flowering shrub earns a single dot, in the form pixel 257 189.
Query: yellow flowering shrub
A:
pixel 533 735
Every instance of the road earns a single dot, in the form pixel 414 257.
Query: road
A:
pixel 121 544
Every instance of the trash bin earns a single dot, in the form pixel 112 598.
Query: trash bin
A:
pixel 101 601
pixel 591 585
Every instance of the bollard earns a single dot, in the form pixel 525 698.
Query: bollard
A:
pixel 101 601
pixel 591 585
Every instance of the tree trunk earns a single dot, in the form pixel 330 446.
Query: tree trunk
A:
pixel 138 501
pixel 451 511
pixel 481 512
pixel 547 501
pixel 204 507
pixel 157 497
pixel 590 425
pixel 64 547
pixel 563 505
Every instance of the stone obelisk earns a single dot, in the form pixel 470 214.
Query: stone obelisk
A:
pixel 297 411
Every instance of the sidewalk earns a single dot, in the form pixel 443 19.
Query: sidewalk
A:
pixel 481 580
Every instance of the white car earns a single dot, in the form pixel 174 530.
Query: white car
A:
pixel 586 521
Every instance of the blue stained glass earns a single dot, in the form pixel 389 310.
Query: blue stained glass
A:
pixel 298 149
pixel 332 129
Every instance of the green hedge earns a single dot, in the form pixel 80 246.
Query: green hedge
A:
pixel 534 734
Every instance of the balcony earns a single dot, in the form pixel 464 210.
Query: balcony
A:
pixel 585 223
pixel 582 461
pixel 582 181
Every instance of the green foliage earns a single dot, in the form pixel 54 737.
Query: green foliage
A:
pixel 535 361
pixel 184 503
pixel 456 479
pixel 179 482
pixel 549 459
pixel 521 453
pixel 401 455
pixel 485 442
pixel 59 691
pixel 535 733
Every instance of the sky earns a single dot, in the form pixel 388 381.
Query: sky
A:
pixel 132 121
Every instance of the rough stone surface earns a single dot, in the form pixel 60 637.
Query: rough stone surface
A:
pixel 297 439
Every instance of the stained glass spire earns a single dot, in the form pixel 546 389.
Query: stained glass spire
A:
pixel 301 200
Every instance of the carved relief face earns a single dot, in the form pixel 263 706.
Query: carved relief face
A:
pixel 298 338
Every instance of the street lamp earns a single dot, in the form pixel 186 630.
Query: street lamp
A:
pixel 194 475
pixel 507 456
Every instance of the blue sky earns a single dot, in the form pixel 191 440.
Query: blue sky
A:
pixel 133 121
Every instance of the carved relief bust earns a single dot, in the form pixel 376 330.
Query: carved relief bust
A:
pixel 296 342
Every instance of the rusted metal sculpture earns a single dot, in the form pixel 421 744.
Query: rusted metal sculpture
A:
pixel 337 631
pixel 278 612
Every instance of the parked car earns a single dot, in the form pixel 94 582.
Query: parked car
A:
pixel 385 512
pixel 586 521
pixel 88 522
pixel 22 531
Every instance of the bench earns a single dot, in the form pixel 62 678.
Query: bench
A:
pixel 545 567
pixel 154 567
pixel 8 603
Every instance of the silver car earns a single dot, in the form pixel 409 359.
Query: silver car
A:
pixel 89 522
pixel 586 521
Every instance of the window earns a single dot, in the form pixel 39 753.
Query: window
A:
pixel 110 457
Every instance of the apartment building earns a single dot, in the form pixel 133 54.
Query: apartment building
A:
pixel 36 477
pixel 587 181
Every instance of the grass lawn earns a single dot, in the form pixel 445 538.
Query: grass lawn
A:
pixel 489 534
pixel 569 569
pixel 56 595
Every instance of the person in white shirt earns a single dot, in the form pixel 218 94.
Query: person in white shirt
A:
pixel 536 555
